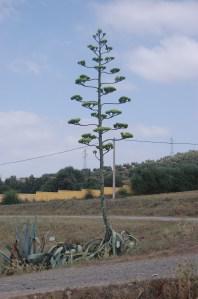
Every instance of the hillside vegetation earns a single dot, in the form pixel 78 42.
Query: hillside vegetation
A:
pixel 169 174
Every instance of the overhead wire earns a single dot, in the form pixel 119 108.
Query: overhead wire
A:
pixel 42 156
pixel 82 147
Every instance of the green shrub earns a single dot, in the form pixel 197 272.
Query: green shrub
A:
pixel 88 195
pixel 122 192
pixel 10 198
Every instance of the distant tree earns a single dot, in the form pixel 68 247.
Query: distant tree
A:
pixel 69 179
pixel 3 186
pixel 51 185
pixel 169 174
pixel 108 180
pixel 103 87
pixel 13 183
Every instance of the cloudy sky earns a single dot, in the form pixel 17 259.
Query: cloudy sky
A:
pixel 156 46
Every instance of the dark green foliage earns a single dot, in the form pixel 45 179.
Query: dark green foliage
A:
pixel 66 179
pixel 88 195
pixel 74 121
pixel 122 192
pixel 126 135
pixel 69 179
pixel 51 185
pixel 77 98
pixel 10 198
pixel 114 70
pixel 120 126
pixel 170 174
pixel 119 78
pixel 108 179
pixel 123 100
pixel 109 89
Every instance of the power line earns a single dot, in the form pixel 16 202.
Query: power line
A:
pixel 83 147
pixel 161 142
pixel 42 156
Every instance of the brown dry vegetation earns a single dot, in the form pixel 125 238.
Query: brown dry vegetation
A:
pixel 156 238
pixel 181 288
pixel 170 204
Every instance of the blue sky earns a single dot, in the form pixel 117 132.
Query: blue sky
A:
pixel 156 46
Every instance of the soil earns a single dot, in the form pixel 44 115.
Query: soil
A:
pixel 42 284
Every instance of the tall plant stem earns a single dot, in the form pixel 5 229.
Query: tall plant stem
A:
pixel 101 153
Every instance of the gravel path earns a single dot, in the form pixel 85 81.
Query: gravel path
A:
pixel 132 218
pixel 95 275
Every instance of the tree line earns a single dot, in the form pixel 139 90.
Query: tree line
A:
pixel 169 174
pixel 67 178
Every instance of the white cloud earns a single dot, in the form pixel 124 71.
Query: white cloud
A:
pixel 174 59
pixel 150 16
pixel 27 66
pixel 25 134
pixel 8 8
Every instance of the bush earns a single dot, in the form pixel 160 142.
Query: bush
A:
pixel 122 192
pixel 88 195
pixel 10 198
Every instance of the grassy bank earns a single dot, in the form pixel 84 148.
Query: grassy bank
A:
pixel 170 204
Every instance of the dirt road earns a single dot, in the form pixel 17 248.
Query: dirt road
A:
pixel 95 275
pixel 132 218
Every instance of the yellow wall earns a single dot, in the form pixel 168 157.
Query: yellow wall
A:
pixel 63 194
pixel 69 194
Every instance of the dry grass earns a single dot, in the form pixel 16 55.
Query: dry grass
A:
pixel 156 238
pixel 170 204
pixel 154 289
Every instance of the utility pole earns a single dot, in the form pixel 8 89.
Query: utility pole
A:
pixel 114 170
pixel 171 146
pixel 85 158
